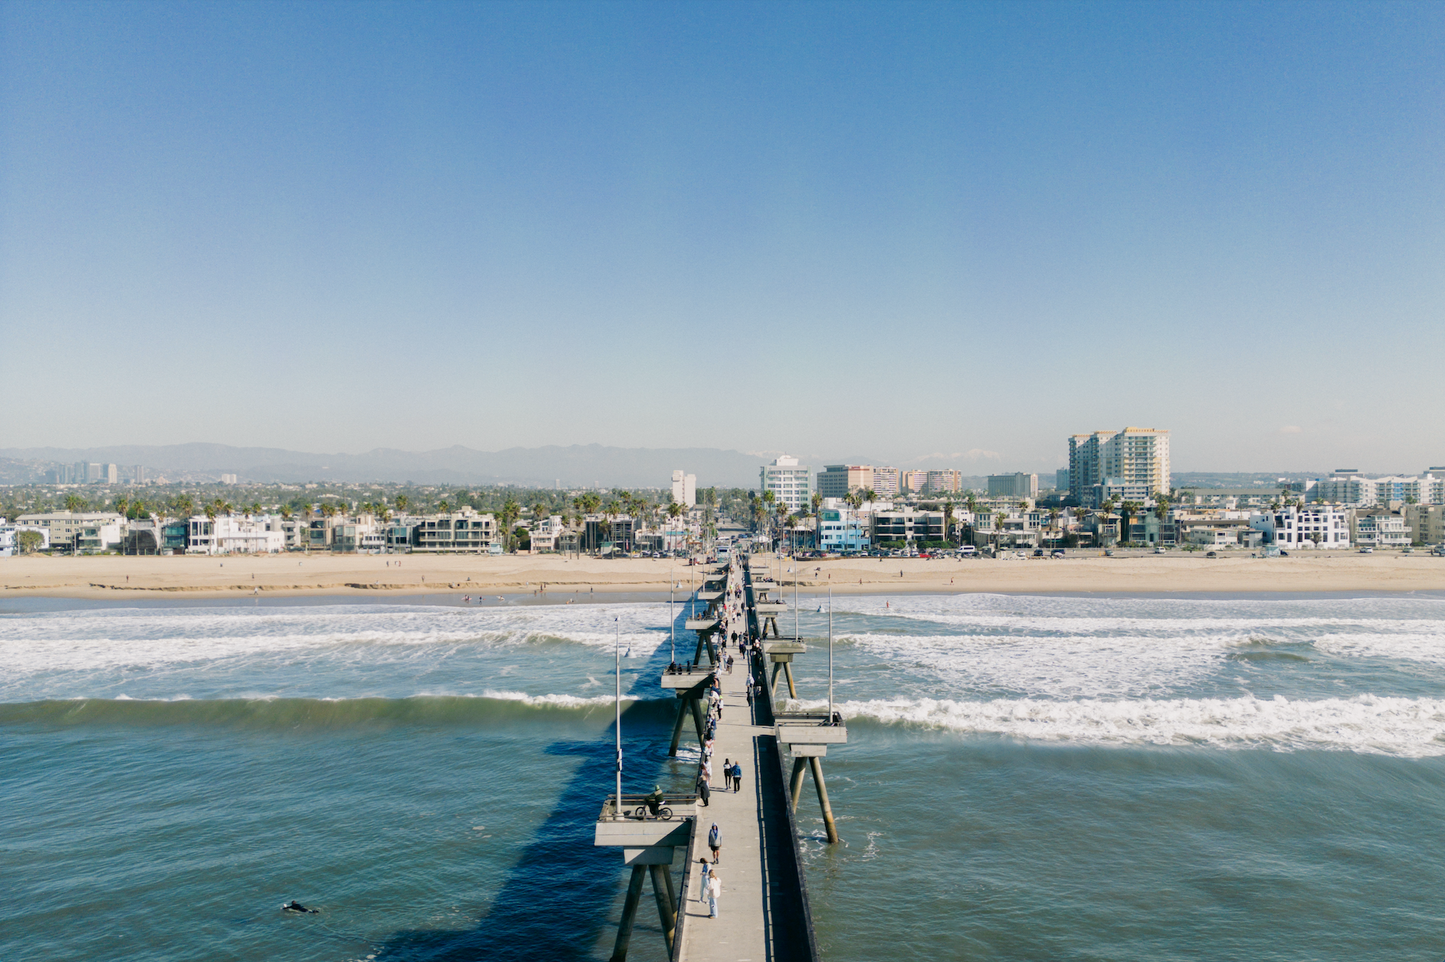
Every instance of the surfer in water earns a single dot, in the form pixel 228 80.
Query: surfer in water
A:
pixel 295 906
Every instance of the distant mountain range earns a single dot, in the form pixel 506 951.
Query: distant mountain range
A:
pixel 590 464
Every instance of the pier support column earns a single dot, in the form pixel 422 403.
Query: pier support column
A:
pixel 698 721
pixel 666 914
pixel 796 782
pixel 773 683
pixel 629 913
pixel 817 764
pixel 792 688
pixel 677 727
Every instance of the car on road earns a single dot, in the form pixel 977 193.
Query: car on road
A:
pixel 1211 554
pixel 1057 553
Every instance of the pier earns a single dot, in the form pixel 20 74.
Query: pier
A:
pixel 763 910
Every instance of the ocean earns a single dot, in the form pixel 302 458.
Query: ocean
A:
pixel 1100 777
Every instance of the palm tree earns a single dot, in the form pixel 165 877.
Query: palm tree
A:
pixel 510 513
pixel 1127 511
pixel 401 502
pixel 74 503
pixel 998 521
pixel 1054 523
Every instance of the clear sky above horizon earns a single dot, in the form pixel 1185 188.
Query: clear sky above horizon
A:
pixel 947 234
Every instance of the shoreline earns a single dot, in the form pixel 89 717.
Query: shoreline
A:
pixel 381 577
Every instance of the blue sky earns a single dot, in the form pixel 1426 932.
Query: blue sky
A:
pixel 955 233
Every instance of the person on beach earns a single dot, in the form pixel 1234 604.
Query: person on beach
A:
pixel 714 842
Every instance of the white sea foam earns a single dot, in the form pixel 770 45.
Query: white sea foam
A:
pixel 148 638
pixel 1412 727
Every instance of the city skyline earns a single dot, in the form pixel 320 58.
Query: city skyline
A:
pixel 961 232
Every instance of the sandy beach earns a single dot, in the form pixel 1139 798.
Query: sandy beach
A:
pixel 112 577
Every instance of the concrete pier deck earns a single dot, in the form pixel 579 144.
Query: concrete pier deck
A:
pixel 762 914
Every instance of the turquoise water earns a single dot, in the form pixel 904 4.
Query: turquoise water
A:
pixel 1051 777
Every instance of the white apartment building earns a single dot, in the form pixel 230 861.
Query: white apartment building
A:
pixel 1372 530
pixel 1314 526
pixel 1134 463
pixel 684 489
pixel 229 534
pixel 790 482
pixel 544 533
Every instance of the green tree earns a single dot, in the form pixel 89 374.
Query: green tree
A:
pixel 1127 511
pixel 401 502
pixel 74 503
pixel 29 542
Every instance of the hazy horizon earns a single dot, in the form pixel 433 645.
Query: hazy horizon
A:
pixel 950 235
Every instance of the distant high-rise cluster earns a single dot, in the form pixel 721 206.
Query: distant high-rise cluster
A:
pixel 839 480
pixel 1131 465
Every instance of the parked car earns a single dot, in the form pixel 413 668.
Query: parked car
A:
pixel 1211 554
pixel 1367 551
pixel 1058 553
pixel 1038 552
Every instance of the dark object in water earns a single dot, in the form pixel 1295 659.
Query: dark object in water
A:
pixel 295 906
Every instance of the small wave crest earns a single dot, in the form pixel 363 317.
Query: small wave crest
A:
pixel 1409 727
pixel 321 713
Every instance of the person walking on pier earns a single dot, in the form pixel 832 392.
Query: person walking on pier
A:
pixel 702 788
pixel 727 774
pixel 737 773
pixel 714 892
pixel 714 842
pixel 704 880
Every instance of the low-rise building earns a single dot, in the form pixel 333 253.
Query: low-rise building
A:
pixel 230 534
pixel 841 530
pixel 1016 485
pixel 1313 526
pixel 79 531
pixel 1379 529
pixel 456 532
pixel 908 525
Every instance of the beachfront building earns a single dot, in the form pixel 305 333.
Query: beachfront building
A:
pixel 906 524
pixel 78 531
pixel 1426 523
pixel 790 482
pixel 229 534
pixel 684 489
pixel 841 530
pixel 1313 526
pixel 1016 485
pixel 1379 529
pixel 544 533
pixel 1131 464
pixel 456 532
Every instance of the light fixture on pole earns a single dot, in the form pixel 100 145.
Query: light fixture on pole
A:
pixel 618 651
pixel 830 654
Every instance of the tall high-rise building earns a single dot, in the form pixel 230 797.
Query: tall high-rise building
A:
pixel 112 474
pixel 885 482
pixel 945 481
pixel 684 489
pixel 790 482
pixel 1131 464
